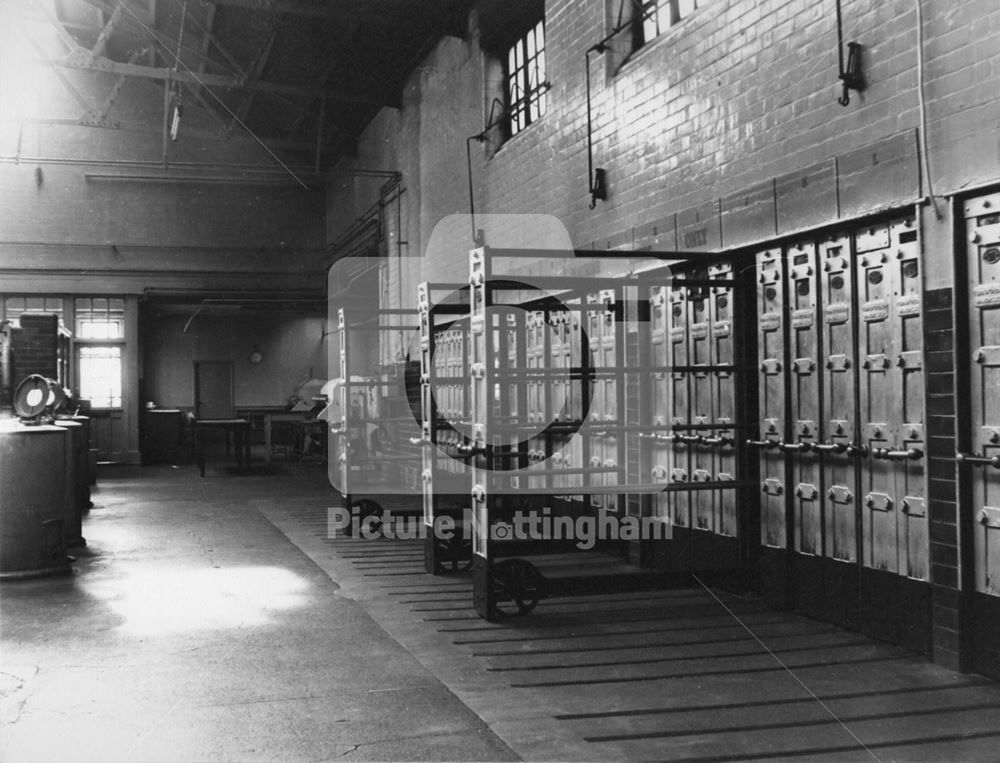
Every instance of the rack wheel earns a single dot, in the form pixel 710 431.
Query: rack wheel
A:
pixel 515 582
pixel 363 508
pixel 454 553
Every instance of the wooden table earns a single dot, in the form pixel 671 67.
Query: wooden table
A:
pixel 239 429
pixel 269 420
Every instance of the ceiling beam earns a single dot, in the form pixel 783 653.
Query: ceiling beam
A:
pixel 257 71
pixel 102 40
pixel 209 40
pixel 104 65
pixel 206 44
pixel 378 12
pixel 168 43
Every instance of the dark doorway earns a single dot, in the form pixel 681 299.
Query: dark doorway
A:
pixel 213 389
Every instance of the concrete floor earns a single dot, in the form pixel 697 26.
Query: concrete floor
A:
pixel 193 630
pixel 212 619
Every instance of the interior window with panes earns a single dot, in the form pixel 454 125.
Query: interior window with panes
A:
pixel 100 331
pixel 100 372
pixel 15 307
pixel 527 84
pixel 651 18
pixel 100 318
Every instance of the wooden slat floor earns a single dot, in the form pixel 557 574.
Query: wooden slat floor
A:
pixel 689 674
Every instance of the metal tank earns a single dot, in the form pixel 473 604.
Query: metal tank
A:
pixel 76 479
pixel 83 475
pixel 32 499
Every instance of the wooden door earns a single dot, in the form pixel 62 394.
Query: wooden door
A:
pixel 213 385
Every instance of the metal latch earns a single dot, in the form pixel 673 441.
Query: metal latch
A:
pixel 987 356
pixel 877 362
pixel 878 502
pixel 840 494
pixel 838 363
pixel 772 487
pixel 804 366
pixel 806 491
pixel 989 516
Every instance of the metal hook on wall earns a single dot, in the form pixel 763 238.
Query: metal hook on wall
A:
pixel 850 75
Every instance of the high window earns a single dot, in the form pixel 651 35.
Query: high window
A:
pixel 527 84
pixel 14 307
pixel 100 318
pixel 652 18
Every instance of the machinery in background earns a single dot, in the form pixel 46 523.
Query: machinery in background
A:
pixel 44 481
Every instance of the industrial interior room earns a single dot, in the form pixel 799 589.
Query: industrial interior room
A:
pixel 499 380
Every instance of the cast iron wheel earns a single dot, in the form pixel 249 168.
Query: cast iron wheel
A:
pixel 455 554
pixel 366 507
pixel 515 582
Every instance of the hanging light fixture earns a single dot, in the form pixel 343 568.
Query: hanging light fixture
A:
pixel 176 112
pixel 176 107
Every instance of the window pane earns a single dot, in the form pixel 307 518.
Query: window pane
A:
pixel 526 79
pixel 14 307
pixel 100 318
pixel 100 372
pixel 654 17
pixel 664 16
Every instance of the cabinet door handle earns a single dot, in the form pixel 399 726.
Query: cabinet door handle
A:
pixel 975 459
pixel 798 447
pixel 913 454
pixel 830 447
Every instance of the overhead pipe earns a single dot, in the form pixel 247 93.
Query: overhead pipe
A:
pixel 389 192
pixel 263 169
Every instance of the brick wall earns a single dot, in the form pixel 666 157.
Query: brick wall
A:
pixel 35 347
pixel 733 109
pixel 737 95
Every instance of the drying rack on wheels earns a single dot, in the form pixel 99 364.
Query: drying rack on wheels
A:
pixel 445 420
pixel 373 461
pixel 580 416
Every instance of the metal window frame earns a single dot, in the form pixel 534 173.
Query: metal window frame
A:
pixel 522 105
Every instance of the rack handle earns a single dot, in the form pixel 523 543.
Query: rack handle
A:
pixel 975 459
pixel 763 444
pixel 796 447
pixel 715 441
pixel 830 447
pixel 912 454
